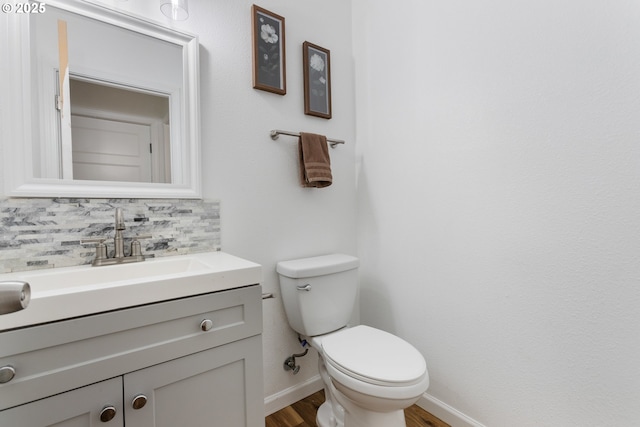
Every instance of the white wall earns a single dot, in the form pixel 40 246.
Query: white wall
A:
pixel 266 216
pixel 499 181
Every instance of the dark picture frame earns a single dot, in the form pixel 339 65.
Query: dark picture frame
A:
pixel 269 55
pixel 317 80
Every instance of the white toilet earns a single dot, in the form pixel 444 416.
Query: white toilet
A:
pixel 370 376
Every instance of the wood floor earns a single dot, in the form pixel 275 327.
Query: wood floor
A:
pixel 303 414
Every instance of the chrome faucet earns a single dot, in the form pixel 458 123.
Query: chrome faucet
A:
pixel 119 257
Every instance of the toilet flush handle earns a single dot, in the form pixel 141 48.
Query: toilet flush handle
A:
pixel 306 287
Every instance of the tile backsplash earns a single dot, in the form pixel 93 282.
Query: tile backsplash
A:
pixel 46 233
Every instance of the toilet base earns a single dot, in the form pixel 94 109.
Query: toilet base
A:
pixel 324 416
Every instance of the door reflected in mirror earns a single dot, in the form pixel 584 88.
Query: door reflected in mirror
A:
pixel 118 133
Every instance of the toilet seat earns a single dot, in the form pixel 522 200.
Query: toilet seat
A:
pixel 373 356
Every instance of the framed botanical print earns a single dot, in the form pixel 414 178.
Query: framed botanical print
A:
pixel 317 80
pixel 269 71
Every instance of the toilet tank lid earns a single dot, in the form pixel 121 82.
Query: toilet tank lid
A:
pixel 317 266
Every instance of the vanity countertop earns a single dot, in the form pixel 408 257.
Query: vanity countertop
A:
pixel 64 293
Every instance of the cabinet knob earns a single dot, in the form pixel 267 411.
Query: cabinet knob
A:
pixel 107 413
pixel 206 325
pixel 139 401
pixel 6 374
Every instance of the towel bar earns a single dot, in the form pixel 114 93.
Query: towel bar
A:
pixel 276 133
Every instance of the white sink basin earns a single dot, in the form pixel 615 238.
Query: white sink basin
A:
pixel 68 292
pixel 66 280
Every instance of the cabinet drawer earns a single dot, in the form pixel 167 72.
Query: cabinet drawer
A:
pixel 73 408
pixel 56 357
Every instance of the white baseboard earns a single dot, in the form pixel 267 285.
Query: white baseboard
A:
pixel 290 395
pixel 445 412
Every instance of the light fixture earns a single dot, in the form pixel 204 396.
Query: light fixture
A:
pixel 175 9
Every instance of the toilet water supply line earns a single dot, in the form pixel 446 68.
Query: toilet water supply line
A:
pixel 290 362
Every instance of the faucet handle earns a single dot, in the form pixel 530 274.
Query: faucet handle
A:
pixel 136 249
pixel 87 241
pixel 101 248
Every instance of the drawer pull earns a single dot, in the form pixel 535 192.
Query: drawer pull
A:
pixel 6 374
pixel 139 401
pixel 206 325
pixel 107 413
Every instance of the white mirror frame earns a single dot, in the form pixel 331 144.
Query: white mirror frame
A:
pixel 16 110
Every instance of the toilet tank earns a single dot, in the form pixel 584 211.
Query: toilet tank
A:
pixel 319 293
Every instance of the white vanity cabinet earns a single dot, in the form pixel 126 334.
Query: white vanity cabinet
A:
pixel 189 362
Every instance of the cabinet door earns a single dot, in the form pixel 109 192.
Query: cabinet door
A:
pixel 76 408
pixel 220 387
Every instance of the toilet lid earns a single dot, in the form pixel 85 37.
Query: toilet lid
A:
pixel 374 355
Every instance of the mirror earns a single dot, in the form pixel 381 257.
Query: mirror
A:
pixel 107 105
